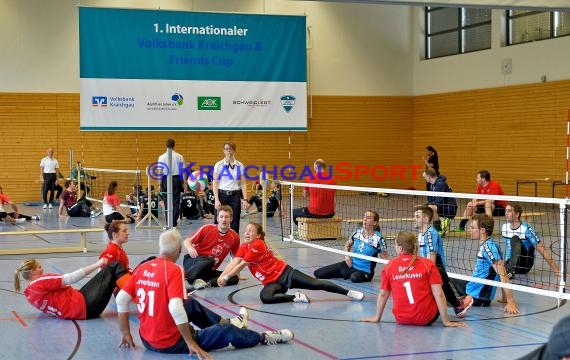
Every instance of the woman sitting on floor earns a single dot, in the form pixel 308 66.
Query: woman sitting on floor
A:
pixel 276 275
pixel 53 295
pixel 112 206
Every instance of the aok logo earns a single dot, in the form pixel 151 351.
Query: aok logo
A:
pixel 209 103
pixel 99 101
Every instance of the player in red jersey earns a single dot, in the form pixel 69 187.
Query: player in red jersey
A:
pixel 275 274
pixel 53 295
pixel 321 201
pixel 118 234
pixel 485 186
pixel 415 284
pixel 165 311
pixel 207 248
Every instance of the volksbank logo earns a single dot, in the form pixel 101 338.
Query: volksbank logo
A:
pixel 209 103
pixel 99 101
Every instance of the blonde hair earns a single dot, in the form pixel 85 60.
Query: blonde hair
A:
pixel 28 265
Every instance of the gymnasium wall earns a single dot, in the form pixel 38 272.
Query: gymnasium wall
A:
pixel 514 132
pixel 354 130
pixel 483 69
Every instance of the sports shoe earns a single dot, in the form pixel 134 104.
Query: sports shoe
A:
pixel 458 229
pixel 277 337
pixel 200 284
pixel 510 271
pixel 44 207
pixel 356 295
pixel 241 321
pixel 35 217
pixel 466 303
pixel 188 286
pixel 301 298
pixel 444 226
pixel 50 206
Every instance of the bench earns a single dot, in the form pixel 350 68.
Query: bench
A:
pixel 319 228
pixel 48 250
pixel 535 182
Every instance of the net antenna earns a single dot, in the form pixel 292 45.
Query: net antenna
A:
pixel 548 217
pixel 149 217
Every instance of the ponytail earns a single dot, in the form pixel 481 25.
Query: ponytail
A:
pixel 28 265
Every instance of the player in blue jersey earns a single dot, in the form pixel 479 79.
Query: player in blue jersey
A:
pixel 521 240
pixel 367 240
pixel 489 265
pixel 431 246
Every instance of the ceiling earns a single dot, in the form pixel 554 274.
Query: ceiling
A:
pixel 495 4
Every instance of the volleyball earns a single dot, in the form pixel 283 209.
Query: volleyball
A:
pixel 197 181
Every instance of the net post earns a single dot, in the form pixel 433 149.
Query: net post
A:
pixel 70 160
pixel 149 215
pixel 292 223
pixel 567 152
pixel 563 242
pixel 263 200
pixel 169 197
pixel 79 169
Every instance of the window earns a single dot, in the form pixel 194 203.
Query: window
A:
pixel 451 31
pixel 525 26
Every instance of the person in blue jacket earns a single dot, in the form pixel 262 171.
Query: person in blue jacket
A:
pixel 444 208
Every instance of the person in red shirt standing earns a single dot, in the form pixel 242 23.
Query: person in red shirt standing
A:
pixel 53 295
pixel 485 186
pixel 415 285
pixel 207 248
pixel 276 276
pixel 321 201
pixel 165 311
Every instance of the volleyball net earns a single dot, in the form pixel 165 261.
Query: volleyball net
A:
pixel 94 182
pixel 546 218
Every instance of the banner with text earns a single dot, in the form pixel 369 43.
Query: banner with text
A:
pixel 168 70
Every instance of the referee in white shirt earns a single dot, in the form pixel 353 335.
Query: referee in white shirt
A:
pixel 49 168
pixel 178 185
pixel 229 174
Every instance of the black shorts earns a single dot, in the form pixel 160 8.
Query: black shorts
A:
pixel 114 216
pixel 448 211
pixel 498 211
